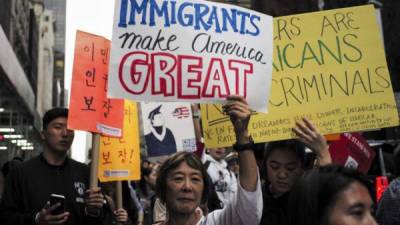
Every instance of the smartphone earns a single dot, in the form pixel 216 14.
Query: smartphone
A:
pixel 54 199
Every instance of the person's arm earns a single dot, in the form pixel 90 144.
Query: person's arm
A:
pixel 239 112
pixel 307 133
pixel 246 207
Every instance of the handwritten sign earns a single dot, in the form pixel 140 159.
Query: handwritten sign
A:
pixel 119 158
pixel 330 67
pixel 352 151
pixel 89 108
pixel 191 51
pixel 168 128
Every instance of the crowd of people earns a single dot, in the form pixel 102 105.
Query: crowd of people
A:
pixel 251 184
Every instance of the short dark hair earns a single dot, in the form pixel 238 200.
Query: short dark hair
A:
pixel 173 162
pixel 52 114
pixel 292 145
pixel 314 194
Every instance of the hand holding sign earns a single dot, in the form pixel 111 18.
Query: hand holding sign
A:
pixel 173 51
pixel 307 133
pixel 239 112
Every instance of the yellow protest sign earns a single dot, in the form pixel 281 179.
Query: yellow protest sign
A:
pixel 330 67
pixel 119 158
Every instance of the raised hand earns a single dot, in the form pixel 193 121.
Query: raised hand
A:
pixel 307 133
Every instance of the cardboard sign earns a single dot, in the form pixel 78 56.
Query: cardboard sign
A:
pixel 352 151
pixel 119 158
pixel 168 128
pixel 89 108
pixel 330 67
pixel 192 50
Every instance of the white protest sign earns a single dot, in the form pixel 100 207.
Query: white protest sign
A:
pixel 168 128
pixel 191 51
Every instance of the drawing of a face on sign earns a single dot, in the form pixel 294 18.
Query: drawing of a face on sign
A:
pixel 160 140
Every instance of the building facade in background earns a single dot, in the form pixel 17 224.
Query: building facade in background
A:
pixel 27 67
pixel 58 8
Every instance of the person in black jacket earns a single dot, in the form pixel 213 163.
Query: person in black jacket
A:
pixel 29 186
pixel 284 163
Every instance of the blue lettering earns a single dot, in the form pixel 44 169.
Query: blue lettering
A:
pixel 201 10
pixel 122 13
pixel 188 16
pixel 173 14
pixel 198 15
pixel 140 10
pixel 160 12
pixel 253 23
pixel 229 17
pixel 243 20
pixel 214 16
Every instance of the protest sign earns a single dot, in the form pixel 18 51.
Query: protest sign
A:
pixel 352 151
pixel 119 158
pixel 168 128
pixel 191 51
pixel 330 67
pixel 89 108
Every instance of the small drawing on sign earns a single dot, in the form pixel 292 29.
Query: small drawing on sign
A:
pixel 351 163
pixel 189 144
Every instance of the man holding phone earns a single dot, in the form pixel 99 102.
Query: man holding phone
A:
pixel 51 188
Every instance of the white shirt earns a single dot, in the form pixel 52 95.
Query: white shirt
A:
pixel 244 209
pixel 224 181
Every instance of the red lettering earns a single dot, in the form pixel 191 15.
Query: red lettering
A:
pixel 182 76
pixel 134 79
pixel 218 81
pixel 242 70
pixel 163 81
pixel 189 73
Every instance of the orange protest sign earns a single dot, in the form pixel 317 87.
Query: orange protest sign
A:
pixel 89 108
pixel 119 158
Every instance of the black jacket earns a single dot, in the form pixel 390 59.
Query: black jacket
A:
pixel 275 208
pixel 29 186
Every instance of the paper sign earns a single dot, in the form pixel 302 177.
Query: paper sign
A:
pixel 352 151
pixel 332 137
pixel 89 108
pixel 191 51
pixel 119 158
pixel 168 128
pixel 330 67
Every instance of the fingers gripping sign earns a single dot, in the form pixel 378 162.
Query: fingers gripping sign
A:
pixel 94 202
pixel 307 133
pixel 121 215
pixel 45 216
pixel 239 112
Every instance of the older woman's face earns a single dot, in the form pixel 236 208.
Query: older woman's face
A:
pixel 184 189
pixel 352 207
